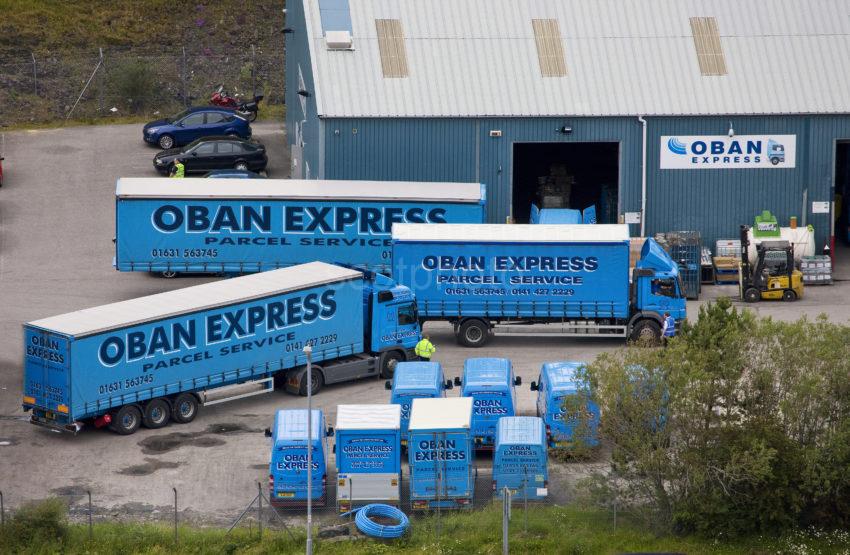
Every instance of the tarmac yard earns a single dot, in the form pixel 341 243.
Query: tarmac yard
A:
pixel 56 249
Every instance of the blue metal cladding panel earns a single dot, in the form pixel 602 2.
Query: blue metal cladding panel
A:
pixel 307 119
pixel 462 150
pixel 716 202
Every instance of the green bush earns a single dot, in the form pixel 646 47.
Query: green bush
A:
pixel 134 82
pixel 36 523
pixel 739 426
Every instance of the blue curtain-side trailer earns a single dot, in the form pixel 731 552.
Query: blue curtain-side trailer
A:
pixel 510 278
pixel 238 226
pixel 154 359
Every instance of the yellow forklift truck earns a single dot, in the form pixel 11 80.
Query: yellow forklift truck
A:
pixel 773 277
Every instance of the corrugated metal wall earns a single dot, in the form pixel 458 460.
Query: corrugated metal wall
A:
pixel 463 150
pixel 715 202
pixel 298 54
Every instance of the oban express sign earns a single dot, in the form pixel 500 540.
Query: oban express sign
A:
pixel 698 152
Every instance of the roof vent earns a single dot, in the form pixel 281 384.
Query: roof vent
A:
pixel 338 40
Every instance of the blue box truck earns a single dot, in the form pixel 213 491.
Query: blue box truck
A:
pixel 240 226
pixel 288 469
pixel 509 278
pixel 440 453
pixel 157 358
pixel 414 380
pixel 556 386
pixel 368 455
pixel 491 384
pixel 520 460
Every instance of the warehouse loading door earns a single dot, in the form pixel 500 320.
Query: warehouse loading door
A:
pixel 566 175
pixel 842 211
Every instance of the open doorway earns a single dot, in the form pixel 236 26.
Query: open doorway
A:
pixel 841 256
pixel 566 175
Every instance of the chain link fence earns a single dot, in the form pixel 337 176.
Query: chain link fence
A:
pixel 114 82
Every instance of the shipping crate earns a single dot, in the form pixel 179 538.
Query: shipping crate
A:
pixel 726 262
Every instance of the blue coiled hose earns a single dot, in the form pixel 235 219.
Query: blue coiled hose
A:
pixel 371 528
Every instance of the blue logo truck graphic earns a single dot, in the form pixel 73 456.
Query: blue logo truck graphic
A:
pixel 775 152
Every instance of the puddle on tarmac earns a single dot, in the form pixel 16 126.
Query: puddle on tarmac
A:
pixel 149 467
pixel 229 428
pixel 157 445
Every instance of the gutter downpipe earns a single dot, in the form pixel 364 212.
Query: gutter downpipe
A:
pixel 643 178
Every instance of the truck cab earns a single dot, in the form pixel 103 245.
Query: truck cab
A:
pixel 393 330
pixel 775 152
pixel 415 380
pixel 491 384
pixel 556 385
pixel 288 472
pixel 656 288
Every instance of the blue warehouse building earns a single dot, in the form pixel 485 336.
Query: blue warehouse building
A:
pixel 666 114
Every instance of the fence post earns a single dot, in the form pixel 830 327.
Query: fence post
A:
pixel 260 508
pixel 91 532
pixel 175 515
pixel 100 80
pixel 2 511
pixel 183 74
pixel 615 499
pixel 34 75
pixel 506 517
pixel 525 497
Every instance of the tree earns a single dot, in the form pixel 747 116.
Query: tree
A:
pixel 739 425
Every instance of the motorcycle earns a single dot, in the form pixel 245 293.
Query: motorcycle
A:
pixel 248 109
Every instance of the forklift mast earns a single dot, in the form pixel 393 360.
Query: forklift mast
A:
pixel 746 270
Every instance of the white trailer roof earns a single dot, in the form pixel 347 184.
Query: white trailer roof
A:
pixel 368 417
pixel 507 233
pixel 439 413
pixel 95 320
pixel 202 188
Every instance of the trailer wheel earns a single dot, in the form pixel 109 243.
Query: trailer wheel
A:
pixel 126 421
pixel 389 361
pixel 473 333
pixel 318 382
pixel 168 274
pixel 646 331
pixel 185 408
pixel 156 414
pixel 752 295
pixel 789 295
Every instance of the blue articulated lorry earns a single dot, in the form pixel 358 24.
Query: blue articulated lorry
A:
pixel 556 386
pixel 288 468
pixel 158 358
pixel 415 380
pixel 368 455
pixel 440 453
pixel 491 384
pixel 509 278
pixel 520 460
pixel 239 226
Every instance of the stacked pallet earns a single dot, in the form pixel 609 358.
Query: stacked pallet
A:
pixel 554 190
pixel 726 269
pixel 817 270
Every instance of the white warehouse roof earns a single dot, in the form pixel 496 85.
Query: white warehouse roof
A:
pixel 467 58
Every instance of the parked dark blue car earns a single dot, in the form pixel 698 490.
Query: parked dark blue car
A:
pixel 194 123
pixel 234 174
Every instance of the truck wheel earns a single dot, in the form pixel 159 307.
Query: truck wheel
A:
pixel 646 331
pixel 789 295
pixel 318 382
pixel 168 274
pixel 156 415
pixel 473 333
pixel 389 360
pixel 185 408
pixel 752 295
pixel 126 421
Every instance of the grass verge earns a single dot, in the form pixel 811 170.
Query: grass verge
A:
pixel 549 530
